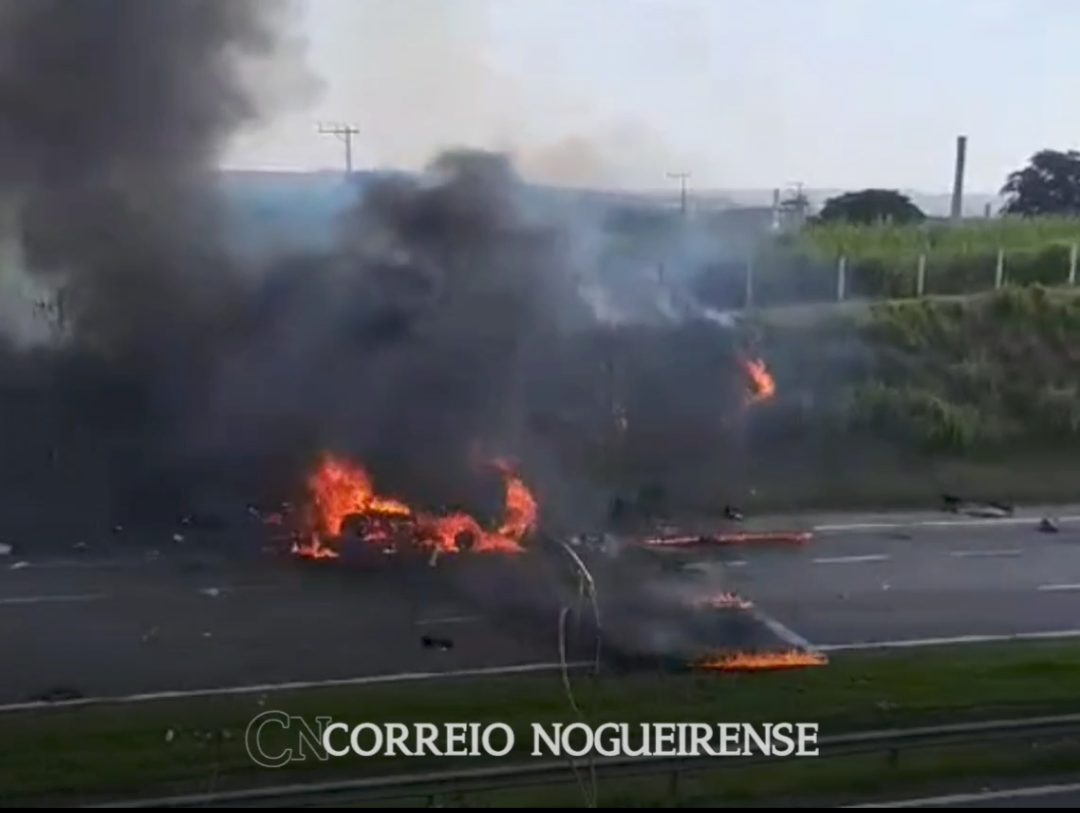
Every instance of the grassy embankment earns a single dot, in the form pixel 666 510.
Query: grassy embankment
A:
pixel 882 261
pixel 890 403
pixel 194 744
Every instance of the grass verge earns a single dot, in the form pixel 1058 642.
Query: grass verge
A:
pixel 196 744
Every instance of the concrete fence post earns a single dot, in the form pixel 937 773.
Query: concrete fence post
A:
pixel 1073 249
pixel 920 277
pixel 841 278
pixel 999 270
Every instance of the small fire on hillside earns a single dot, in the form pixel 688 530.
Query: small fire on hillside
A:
pixel 343 504
pixel 761 384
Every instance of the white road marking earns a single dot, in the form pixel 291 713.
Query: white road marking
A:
pixel 77 564
pixel 450 619
pixel 1054 588
pixel 17 600
pixel 979 796
pixel 846 560
pixel 989 552
pixel 938 523
pixel 911 643
pixel 404 677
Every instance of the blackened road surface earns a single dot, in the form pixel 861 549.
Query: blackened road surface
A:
pixel 116 619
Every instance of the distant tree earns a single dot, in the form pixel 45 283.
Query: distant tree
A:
pixel 1048 185
pixel 871 206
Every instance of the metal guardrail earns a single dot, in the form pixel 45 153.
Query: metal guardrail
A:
pixel 455 783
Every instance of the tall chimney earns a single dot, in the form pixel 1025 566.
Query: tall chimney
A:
pixel 957 210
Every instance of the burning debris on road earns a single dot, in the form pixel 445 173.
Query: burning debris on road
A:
pixel 761 661
pixel 344 505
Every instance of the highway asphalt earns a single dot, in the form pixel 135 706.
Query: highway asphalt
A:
pixel 150 616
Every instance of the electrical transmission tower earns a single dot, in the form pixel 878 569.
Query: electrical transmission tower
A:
pixel 344 133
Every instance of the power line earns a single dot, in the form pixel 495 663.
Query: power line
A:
pixel 344 133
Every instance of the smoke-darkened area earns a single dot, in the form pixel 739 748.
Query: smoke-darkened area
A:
pixel 458 315
pixel 453 321
pixel 114 113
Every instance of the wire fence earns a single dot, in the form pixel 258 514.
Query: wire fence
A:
pixel 778 274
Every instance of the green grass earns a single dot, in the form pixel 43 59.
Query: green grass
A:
pixel 882 260
pixel 959 375
pixel 939 239
pixel 102 752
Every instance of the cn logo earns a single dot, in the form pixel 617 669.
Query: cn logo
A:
pixel 275 738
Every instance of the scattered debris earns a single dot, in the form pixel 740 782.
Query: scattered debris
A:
pixel 170 735
pixel 150 635
pixel 19 565
pixel 782 537
pixel 431 642
pixel 58 694
pixel 6 549
pixel 118 528
pixel 80 546
pixel 207 634
pixel 733 513
pixel 211 592
pixel 178 538
pixel 724 601
pixel 987 509
pixel 1048 526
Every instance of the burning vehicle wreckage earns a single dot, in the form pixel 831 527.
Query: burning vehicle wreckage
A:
pixel 629 608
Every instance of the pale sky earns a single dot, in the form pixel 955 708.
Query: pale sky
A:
pixel 747 93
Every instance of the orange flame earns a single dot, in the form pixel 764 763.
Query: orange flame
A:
pixel 762 661
pixel 340 489
pixel 521 507
pixel 762 384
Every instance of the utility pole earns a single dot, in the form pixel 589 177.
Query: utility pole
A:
pixel 957 210
pixel 344 133
pixel 682 178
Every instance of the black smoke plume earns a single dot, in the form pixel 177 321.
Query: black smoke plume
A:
pixel 112 117
pixel 183 375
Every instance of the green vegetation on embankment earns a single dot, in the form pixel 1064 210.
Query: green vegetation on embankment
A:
pixel 889 403
pixel 882 260
pixel 196 744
